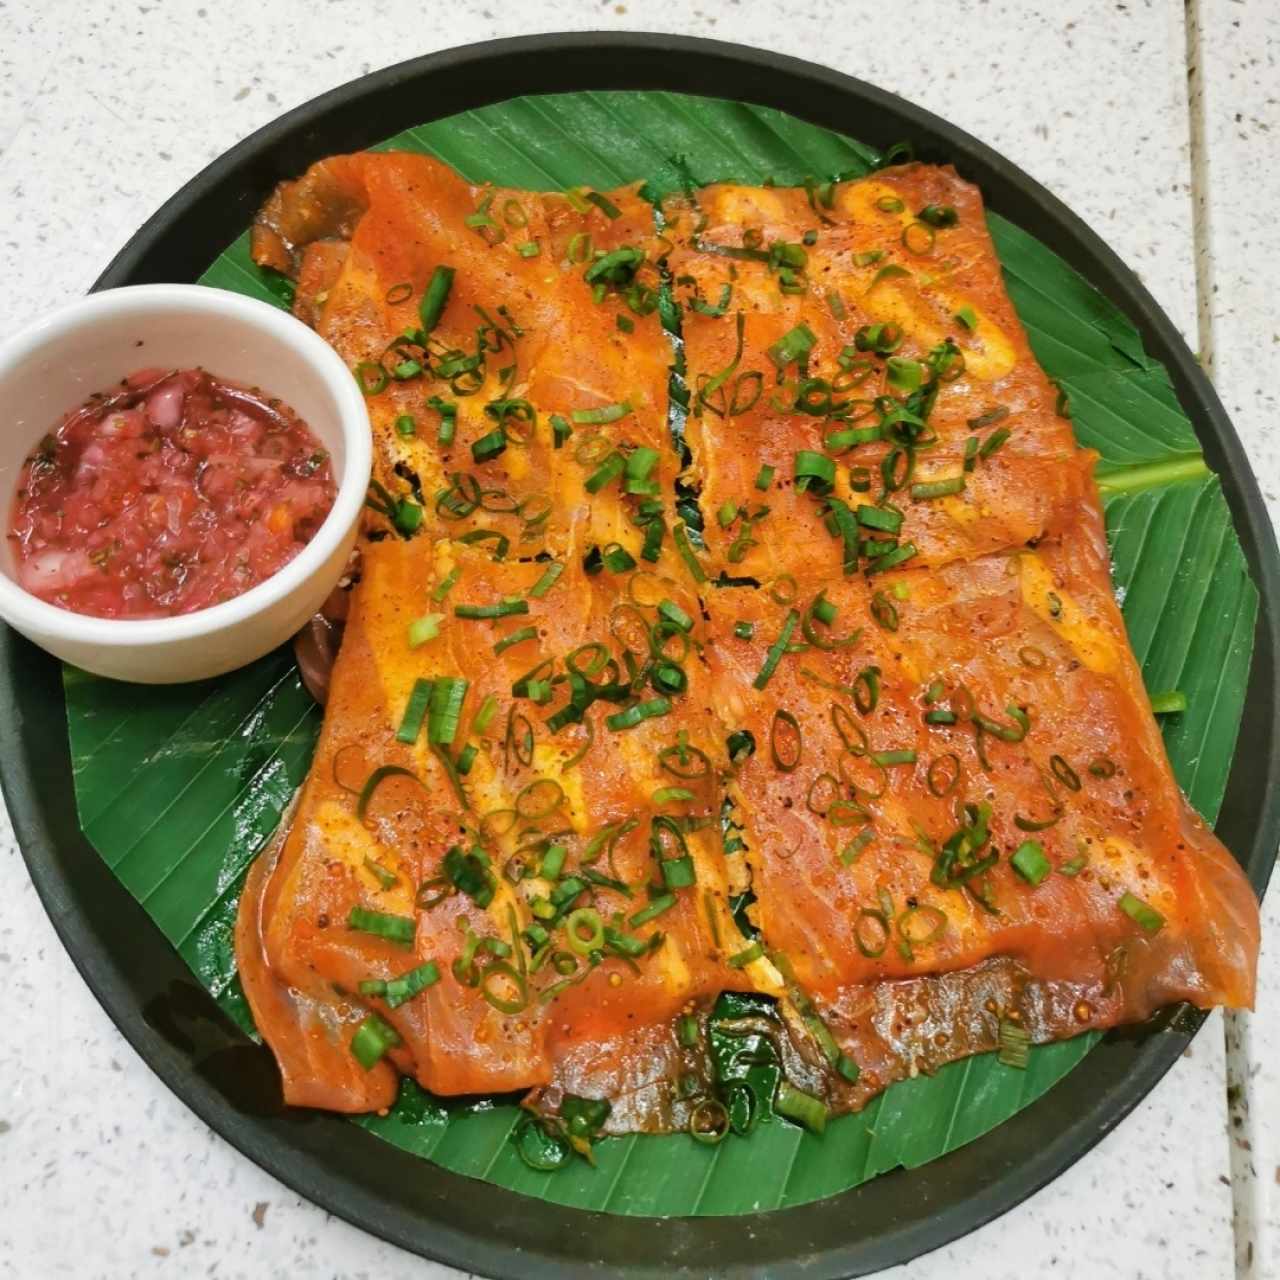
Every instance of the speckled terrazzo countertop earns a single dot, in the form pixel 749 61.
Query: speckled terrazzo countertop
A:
pixel 1159 124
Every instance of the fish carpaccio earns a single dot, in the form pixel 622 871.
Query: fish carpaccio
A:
pixel 871 748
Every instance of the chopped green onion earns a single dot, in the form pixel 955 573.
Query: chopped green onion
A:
pixel 415 712
pixel 425 628
pixel 866 697
pixel 744 630
pixel 776 650
pixel 709 1122
pixel 447 696
pixel 384 876
pixel 937 488
pixel 663 902
pixel 585 930
pixel 919 238
pixel 605 414
pixel 469 874
pixel 903 374
pixel 899 555
pixel 748 955
pixel 849 854
pixel 618 266
pixel 784 758
pixel 375 780
pixel 448 419
pixel 639 471
pixel 1168 703
pixel 671 795
pixel 989 417
pixel 687 554
pixel 640 711
pixel 446 584
pixel 547 581
pixel 675 615
pixel 764 477
pixel 372 377
pixel 887 520
pixel 938 215
pixel 553 862
pixel 716 381
pixel 837 441
pixel 814 471
pixel 374 1037
pixel 519 636
pixel 891 272
pixel 1014 1045
pixel 654 532
pixel 792 346
pixel 397 929
pixel 503 609
pixel 993 442
pixel 431 308
pixel 706 308
pixel 678 873
pixel 624 945
pixel 489 446
pixel 883 339
pixel 1030 863
pixel 966 317
pixel 484 717
pixel 610 469
pixel 799 1106
pixel 1146 918
pixel 617 559
pixel 408 985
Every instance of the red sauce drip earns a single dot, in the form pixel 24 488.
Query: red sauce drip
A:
pixel 177 491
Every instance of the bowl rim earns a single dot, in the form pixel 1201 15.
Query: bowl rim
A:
pixel 115 306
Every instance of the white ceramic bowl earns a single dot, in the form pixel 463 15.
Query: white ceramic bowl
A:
pixel 89 345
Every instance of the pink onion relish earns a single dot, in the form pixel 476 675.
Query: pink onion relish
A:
pixel 176 491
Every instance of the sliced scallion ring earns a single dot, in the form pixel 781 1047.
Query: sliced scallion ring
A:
pixel 786 742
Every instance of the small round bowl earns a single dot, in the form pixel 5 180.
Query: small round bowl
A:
pixel 89 345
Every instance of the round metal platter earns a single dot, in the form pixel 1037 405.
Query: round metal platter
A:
pixel 231 1084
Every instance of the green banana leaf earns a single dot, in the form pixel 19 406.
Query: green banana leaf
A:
pixel 178 788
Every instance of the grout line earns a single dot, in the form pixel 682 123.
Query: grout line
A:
pixel 1246 1215
pixel 1201 231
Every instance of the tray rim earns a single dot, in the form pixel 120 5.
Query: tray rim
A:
pixel 228 190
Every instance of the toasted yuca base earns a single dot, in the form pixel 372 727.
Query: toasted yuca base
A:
pixel 295 946
pixel 1005 603
pixel 1024 490
pixel 1037 628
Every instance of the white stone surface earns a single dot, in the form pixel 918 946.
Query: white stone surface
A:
pixel 1238 76
pixel 105 109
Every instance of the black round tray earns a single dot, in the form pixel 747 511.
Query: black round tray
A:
pixel 145 987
